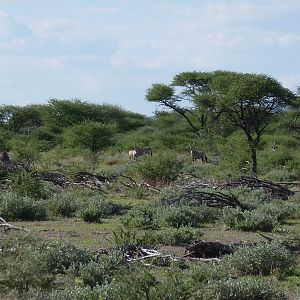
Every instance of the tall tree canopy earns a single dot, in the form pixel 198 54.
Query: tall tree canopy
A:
pixel 248 101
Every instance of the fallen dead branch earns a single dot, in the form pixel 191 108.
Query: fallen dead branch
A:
pixel 273 188
pixel 56 178
pixel 207 249
pixel 8 226
pixel 212 199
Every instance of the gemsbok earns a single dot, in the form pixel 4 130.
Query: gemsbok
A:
pixel 136 152
pixel 4 157
pixel 198 155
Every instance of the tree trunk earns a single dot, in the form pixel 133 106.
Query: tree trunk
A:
pixel 254 160
pixel 253 143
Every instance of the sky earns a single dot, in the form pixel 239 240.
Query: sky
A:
pixel 113 51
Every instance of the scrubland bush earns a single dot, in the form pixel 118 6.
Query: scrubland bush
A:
pixel 32 268
pixel 260 259
pixel 264 218
pixel 177 236
pixel 244 288
pixel 97 208
pixel 177 216
pixel 247 220
pixel 96 273
pixel 159 169
pixel 27 184
pixel 252 197
pixel 14 207
pixel 27 262
pixel 135 285
pixel 64 204
pixel 161 214
pixel 142 216
pixel 283 174
pixel 69 292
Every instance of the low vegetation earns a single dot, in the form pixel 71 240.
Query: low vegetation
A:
pixel 80 220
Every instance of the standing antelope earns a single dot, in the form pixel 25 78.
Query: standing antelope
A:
pixel 198 155
pixel 4 157
pixel 136 152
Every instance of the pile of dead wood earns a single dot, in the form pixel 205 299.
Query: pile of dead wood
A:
pixel 84 179
pixel 16 166
pixel 7 226
pixel 275 189
pixel 207 249
pixel 201 249
pixel 212 199
pixel 56 178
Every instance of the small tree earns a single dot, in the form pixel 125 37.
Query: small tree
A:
pixel 247 101
pixel 91 135
pixel 250 102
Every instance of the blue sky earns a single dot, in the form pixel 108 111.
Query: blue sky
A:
pixel 112 51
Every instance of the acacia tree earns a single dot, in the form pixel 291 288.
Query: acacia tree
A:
pixel 181 96
pixel 248 101
pixel 94 136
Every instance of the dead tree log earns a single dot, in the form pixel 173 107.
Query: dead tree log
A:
pixel 56 178
pixel 8 226
pixel 207 249
pixel 212 199
pixel 275 189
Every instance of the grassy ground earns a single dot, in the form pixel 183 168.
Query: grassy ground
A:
pixel 94 236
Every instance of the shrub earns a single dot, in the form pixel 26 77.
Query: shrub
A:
pixel 177 236
pixel 283 174
pixel 252 197
pixel 245 288
pixel 97 208
pixel 100 272
pixel 91 135
pixel 260 259
pixel 278 210
pixel 247 220
pixel 64 204
pixel 142 216
pixel 135 285
pixel 160 169
pixel 263 218
pixel 28 262
pixel 177 216
pixel 70 292
pixel 27 184
pixel 15 207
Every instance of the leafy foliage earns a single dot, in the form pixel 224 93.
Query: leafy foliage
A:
pixel 159 169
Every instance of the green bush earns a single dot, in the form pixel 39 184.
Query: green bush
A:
pixel 278 210
pixel 177 236
pixel 97 208
pixel 15 207
pixel 135 285
pixel 263 218
pixel 100 272
pixel 177 216
pixel 252 197
pixel 245 288
pixel 64 204
pixel 260 259
pixel 69 292
pixel 247 220
pixel 27 262
pixel 142 216
pixel 159 169
pixel 27 184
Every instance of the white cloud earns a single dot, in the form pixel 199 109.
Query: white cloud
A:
pixel 284 39
pixel 90 85
pixel 11 28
